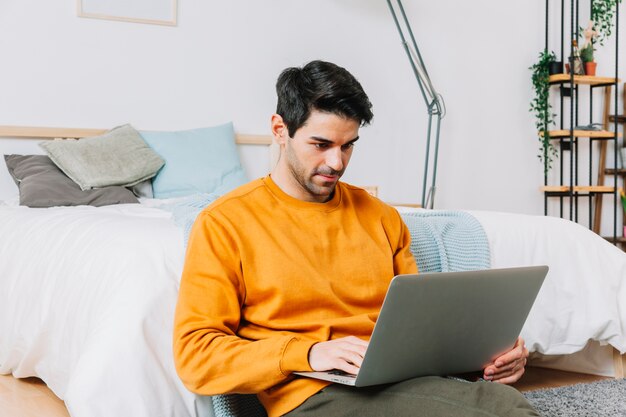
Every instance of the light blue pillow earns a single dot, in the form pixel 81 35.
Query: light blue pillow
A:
pixel 196 161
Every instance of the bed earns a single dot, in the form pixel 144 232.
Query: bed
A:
pixel 87 295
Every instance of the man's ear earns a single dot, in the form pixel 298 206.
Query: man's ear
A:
pixel 279 129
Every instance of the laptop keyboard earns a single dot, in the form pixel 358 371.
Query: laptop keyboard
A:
pixel 341 373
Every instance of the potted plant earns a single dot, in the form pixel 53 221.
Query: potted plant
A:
pixel 541 108
pixel 586 53
pixel 602 14
pixel 555 67
pixel 599 29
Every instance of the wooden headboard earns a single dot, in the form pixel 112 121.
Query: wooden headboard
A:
pixel 78 133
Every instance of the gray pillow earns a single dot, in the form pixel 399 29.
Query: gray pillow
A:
pixel 143 189
pixel 43 184
pixel 119 157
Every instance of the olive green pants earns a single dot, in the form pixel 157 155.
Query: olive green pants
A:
pixel 428 396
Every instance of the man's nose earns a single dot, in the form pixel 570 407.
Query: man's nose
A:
pixel 334 159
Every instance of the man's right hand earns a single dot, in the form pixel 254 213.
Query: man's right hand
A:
pixel 345 354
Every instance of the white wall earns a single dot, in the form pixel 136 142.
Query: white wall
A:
pixel 221 62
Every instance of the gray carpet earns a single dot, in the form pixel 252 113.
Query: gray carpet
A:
pixel 602 399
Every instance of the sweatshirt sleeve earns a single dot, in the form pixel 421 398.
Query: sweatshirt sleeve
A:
pixel 210 358
pixel 403 259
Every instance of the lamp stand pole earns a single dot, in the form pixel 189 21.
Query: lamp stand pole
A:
pixel 434 101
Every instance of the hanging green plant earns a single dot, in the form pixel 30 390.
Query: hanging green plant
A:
pixel 602 14
pixel 541 108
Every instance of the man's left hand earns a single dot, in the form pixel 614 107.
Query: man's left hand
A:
pixel 509 367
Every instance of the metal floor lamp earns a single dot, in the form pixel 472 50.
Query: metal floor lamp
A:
pixel 434 101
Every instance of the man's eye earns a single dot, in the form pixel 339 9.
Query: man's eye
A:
pixel 347 146
pixel 321 145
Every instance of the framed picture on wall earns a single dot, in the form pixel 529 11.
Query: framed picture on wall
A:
pixel 157 12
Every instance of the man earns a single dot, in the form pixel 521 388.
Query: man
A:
pixel 288 273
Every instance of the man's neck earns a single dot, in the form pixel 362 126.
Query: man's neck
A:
pixel 293 188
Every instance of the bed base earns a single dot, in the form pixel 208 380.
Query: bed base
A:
pixel 619 364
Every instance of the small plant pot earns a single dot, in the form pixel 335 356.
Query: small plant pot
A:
pixel 555 67
pixel 590 68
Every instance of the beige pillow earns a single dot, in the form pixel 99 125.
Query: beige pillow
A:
pixel 119 157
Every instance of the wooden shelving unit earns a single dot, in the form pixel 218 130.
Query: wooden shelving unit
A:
pixel 570 189
pixel 577 191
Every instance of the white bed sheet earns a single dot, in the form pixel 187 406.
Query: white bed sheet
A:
pixel 87 297
pixel 584 295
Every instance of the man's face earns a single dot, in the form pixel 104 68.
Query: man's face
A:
pixel 317 155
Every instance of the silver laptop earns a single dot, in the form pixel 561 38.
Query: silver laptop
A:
pixel 444 324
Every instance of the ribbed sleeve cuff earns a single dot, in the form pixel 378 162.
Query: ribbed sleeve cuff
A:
pixel 296 356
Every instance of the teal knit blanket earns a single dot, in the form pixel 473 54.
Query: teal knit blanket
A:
pixel 185 210
pixel 441 241
pixel 444 241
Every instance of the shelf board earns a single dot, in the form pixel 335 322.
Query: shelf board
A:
pixel 582 79
pixel 620 118
pixel 620 239
pixel 578 189
pixel 596 134
pixel 611 171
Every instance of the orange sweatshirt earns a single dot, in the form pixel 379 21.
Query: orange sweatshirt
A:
pixel 266 276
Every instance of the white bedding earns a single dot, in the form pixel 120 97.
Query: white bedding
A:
pixel 584 295
pixel 87 297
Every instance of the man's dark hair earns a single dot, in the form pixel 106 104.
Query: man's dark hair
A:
pixel 320 86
